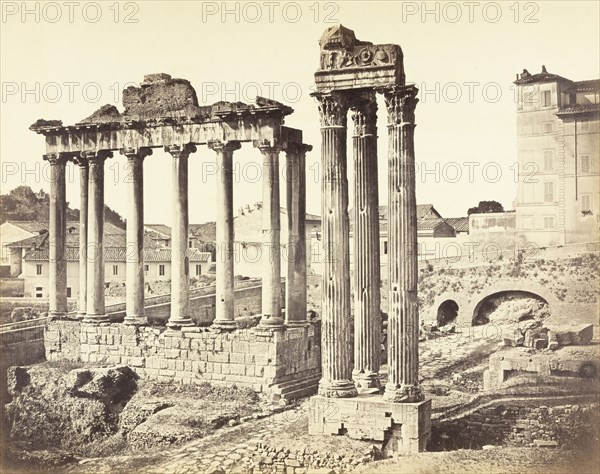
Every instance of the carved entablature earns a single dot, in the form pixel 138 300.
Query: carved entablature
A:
pixel 343 57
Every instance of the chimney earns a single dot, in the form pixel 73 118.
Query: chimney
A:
pixel 241 211
pixel 247 208
pixel 258 205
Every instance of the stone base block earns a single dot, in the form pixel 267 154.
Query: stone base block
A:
pixel 400 428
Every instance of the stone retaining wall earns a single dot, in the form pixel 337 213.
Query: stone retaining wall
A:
pixel 256 358
pixel 519 423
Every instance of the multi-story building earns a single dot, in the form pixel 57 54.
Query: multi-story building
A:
pixel 558 193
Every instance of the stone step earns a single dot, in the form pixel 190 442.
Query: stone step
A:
pixel 296 388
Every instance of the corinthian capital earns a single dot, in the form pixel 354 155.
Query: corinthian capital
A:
pixel 333 109
pixel 95 156
pixel 136 153
pixel 401 103
pixel 364 115
pixel 57 158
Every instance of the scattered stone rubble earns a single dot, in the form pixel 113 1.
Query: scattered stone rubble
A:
pixel 537 335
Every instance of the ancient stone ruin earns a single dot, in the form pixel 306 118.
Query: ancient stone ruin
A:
pixel 351 73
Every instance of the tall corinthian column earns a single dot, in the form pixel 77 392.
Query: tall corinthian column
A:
pixel 295 293
pixel 403 319
pixel 271 245
pixel 224 318
pixel 336 350
pixel 83 234
pixel 367 311
pixel 95 247
pixel 135 301
pixel 180 264
pixel 57 235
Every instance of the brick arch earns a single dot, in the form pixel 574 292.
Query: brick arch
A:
pixel 467 304
pixel 532 288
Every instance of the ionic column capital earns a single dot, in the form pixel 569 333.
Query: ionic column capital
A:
pixel 364 116
pixel 136 153
pixel 57 158
pixel 297 148
pixel 95 156
pixel 401 103
pixel 180 151
pixel 333 108
pixel 224 147
pixel 266 147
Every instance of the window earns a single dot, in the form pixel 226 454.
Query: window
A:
pixel 115 269
pixel 38 269
pixel 190 244
pixel 548 127
pixel 548 191
pixel 546 99
pixel 527 222
pixel 161 270
pixel 39 291
pixel 586 203
pixel 548 160
pixel 549 222
pixel 585 164
pixel 198 270
pixel 146 268
pixel 68 291
pixel 385 247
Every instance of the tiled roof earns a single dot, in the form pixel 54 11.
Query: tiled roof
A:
pixel 527 78
pixel 579 109
pixel 591 85
pixel 119 254
pixel 429 224
pixel 30 226
pixel 422 211
pixel 162 229
pixel 460 224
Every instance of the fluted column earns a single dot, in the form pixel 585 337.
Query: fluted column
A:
pixel 336 347
pixel 57 235
pixel 224 318
pixel 403 319
pixel 271 245
pixel 180 265
pixel 295 293
pixel 95 247
pixel 83 234
pixel 135 301
pixel 367 311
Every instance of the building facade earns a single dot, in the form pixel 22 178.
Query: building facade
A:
pixel 558 148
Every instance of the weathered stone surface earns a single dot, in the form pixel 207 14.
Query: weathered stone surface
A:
pixel 160 96
pixel 106 114
pixel 111 384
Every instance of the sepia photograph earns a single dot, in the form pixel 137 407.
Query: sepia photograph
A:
pixel 300 237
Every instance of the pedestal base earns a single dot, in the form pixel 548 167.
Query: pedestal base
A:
pixel 399 428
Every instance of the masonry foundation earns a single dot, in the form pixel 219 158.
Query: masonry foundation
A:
pixel 399 428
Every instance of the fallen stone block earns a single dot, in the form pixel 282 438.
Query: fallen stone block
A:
pixel 544 443
pixel 582 334
pixel 513 341
pixel 540 343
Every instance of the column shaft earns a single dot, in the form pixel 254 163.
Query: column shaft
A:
pixel 180 274
pixel 95 247
pixel 403 319
pixel 295 305
pixel 135 301
pixel 271 246
pixel 83 235
pixel 336 350
pixel 224 318
pixel 57 236
pixel 367 300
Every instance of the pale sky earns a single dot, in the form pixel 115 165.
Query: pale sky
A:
pixel 463 56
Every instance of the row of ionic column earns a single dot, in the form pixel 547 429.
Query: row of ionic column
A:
pixel 91 262
pixel 351 358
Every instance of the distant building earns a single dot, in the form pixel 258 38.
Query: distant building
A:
pixel 248 248
pixel 29 259
pixel 433 232
pixel 558 192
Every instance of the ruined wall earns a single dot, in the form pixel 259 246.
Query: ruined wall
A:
pixel 254 358
pixel 537 422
